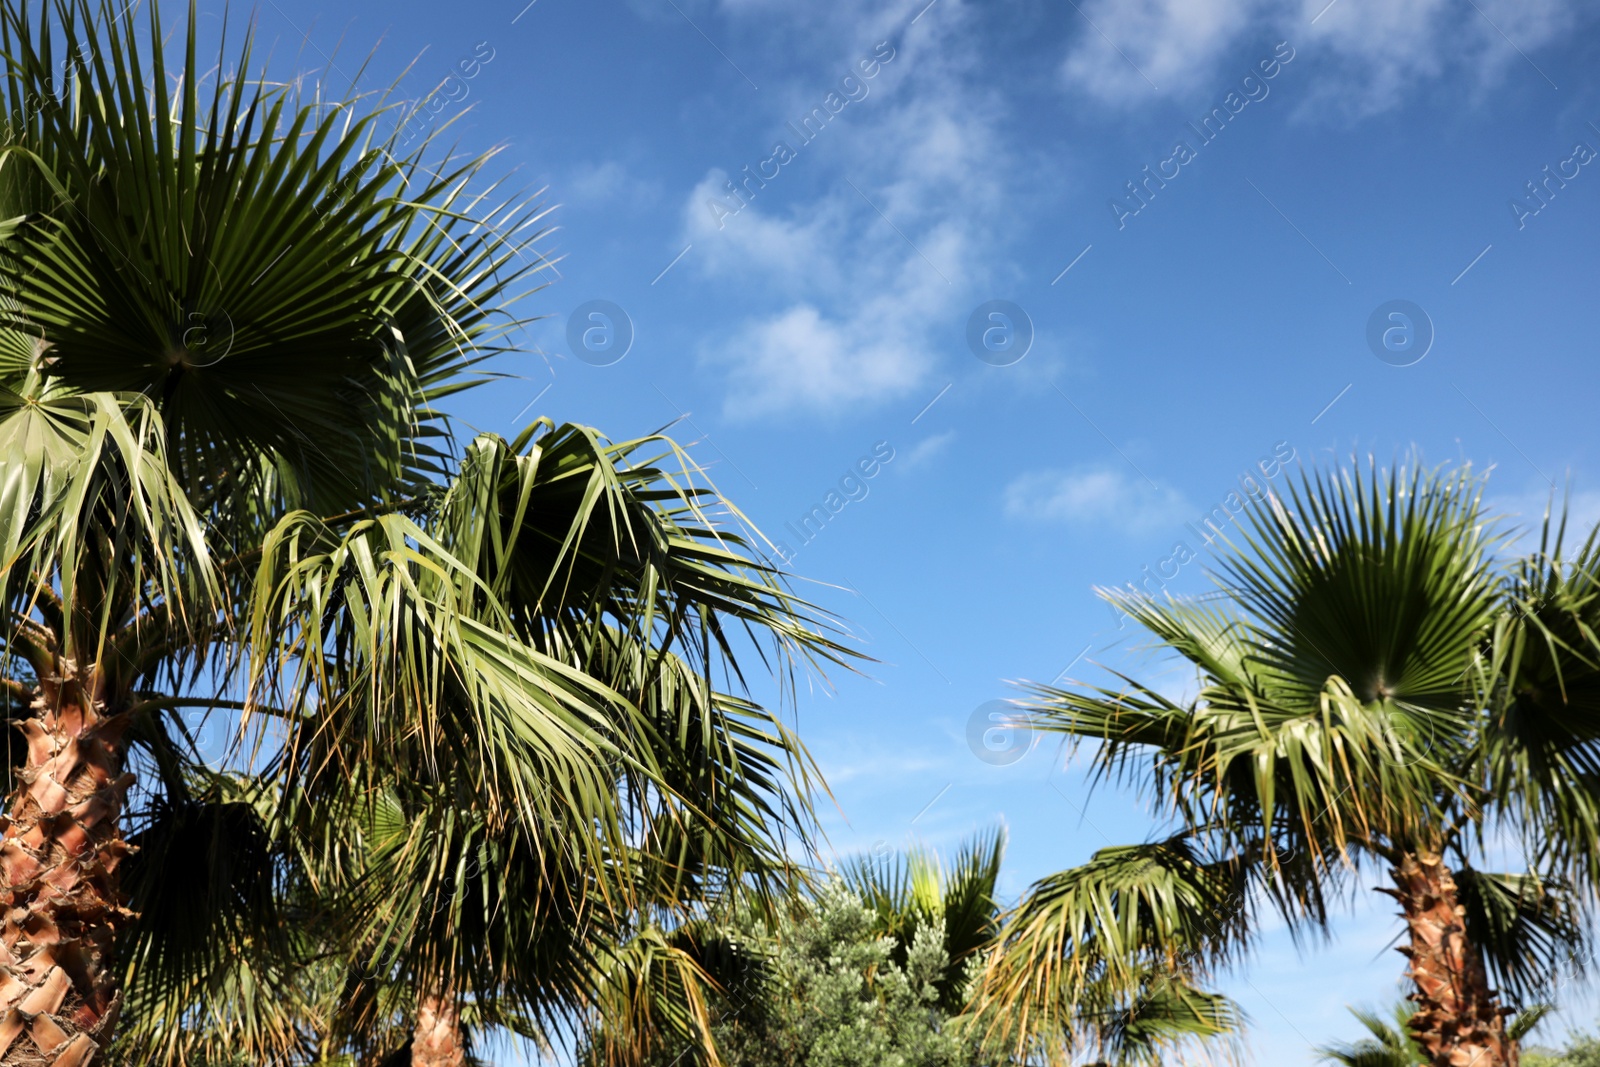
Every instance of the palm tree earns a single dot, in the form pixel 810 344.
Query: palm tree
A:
pixel 705 783
pixel 1389 1044
pixel 1394 1044
pixel 150 444
pixel 914 889
pixel 230 312
pixel 1378 693
pixel 1110 958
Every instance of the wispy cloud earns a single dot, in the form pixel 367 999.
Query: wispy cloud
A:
pixel 889 771
pixel 854 286
pixel 1369 53
pixel 594 184
pixel 1095 497
pixel 924 451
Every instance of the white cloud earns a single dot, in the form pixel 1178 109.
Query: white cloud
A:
pixel 924 451
pixel 1170 42
pixel 1095 497
pixel 801 358
pixel 1369 53
pixel 884 770
pixel 923 144
pixel 853 290
pixel 1383 51
pixel 599 183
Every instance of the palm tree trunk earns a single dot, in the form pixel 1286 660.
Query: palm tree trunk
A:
pixel 436 1041
pixel 60 906
pixel 1459 1021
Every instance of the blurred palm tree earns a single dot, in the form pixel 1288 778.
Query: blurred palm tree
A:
pixel 1392 1042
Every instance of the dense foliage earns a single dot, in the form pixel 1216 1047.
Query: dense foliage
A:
pixel 1582 1050
pixel 878 963
pixel 830 993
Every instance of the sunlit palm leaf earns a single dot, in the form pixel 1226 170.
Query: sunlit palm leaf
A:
pixel 85 475
pixel 652 995
pixel 1104 927
pixel 1166 1013
pixel 916 889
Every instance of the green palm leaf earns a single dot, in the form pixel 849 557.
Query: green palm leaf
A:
pixel 1390 1043
pixel 1102 929
pixel 1527 927
pixel 273 273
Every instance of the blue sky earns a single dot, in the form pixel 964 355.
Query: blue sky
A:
pixel 1358 153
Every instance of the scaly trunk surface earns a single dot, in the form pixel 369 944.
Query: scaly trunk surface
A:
pixel 436 1042
pixel 60 907
pixel 1459 1021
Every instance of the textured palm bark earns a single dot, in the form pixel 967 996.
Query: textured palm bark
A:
pixel 436 1041
pixel 1459 1021
pixel 60 906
